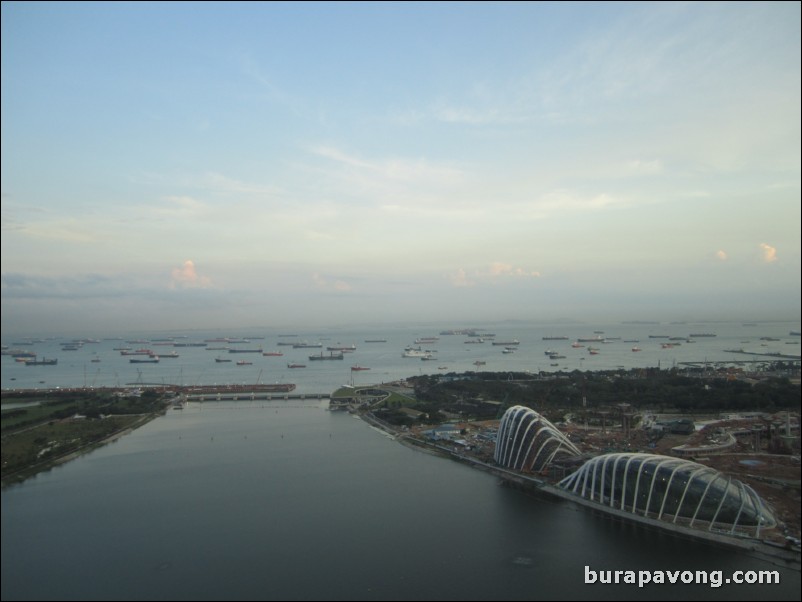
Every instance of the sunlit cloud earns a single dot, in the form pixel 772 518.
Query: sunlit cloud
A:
pixel 495 272
pixel 330 285
pixel 187 277
pixel 499 269
pixel 769 253
pixel 460 279
pixel 721 255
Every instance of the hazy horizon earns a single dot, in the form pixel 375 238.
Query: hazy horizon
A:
pixel 177 166
pixel 548 327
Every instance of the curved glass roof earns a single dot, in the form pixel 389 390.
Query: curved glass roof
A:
pixel 671 489
pixel 527 441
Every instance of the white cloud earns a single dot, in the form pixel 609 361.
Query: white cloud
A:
pixel 330 285
pixel 769 253
pixel 460 279
pixel 184 206
pixel 187 277
pixel 494 272
pixel 499 269
pixel 403 169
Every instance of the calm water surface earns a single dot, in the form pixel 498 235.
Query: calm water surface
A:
pixel 100 365
pixel 286 500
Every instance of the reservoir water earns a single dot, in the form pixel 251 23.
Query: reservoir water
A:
pixel 288 501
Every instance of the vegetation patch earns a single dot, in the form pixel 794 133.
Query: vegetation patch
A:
pixel 61 423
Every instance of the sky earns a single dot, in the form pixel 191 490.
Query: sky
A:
pixel 222 165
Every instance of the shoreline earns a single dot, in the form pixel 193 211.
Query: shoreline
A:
pixel 23 474
pixel 784 557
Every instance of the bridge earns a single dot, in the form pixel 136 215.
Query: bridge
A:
pixel 252 396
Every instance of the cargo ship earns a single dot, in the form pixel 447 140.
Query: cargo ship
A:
pixel 258 387
pixel 342 348
pixel 41 362
pixel 331 356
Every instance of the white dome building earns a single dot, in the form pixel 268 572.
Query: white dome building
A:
pixel 526 441
pixel 672 490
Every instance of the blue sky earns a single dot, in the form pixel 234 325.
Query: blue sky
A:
pixel 222 165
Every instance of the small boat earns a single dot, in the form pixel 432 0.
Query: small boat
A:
pixel 244 363
pixel 479 363
pixel 636 348
pixel 272 353
pixel 296 365
pixel 358 368
pixel 220 360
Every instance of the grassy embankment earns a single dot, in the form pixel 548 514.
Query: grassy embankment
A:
pixel 63 425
